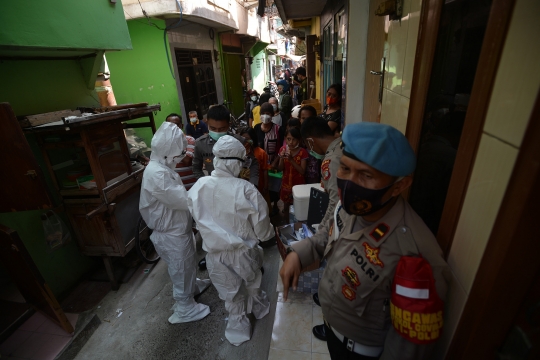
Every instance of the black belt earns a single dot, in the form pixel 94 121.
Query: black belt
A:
pixel 357 348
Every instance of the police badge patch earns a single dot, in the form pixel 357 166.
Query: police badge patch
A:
pixel 351 277
pixel 325 169
pixel 372 254
pixel 348 292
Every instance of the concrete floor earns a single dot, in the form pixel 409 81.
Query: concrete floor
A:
pixel 143 332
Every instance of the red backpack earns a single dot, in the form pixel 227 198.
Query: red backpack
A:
pixel 416 309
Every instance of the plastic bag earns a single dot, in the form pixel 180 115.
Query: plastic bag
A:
pixel 56 232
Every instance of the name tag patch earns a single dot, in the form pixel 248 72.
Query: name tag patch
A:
pixel 363 265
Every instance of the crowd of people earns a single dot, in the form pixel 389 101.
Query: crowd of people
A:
pixel 229 185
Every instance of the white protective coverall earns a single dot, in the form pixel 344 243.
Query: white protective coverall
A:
pixel 163 206
pixel 232 216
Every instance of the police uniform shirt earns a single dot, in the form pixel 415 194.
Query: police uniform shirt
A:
pixel 356 286
pixel 329 168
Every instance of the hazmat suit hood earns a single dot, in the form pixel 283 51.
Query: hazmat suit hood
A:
pixel 169 145
pixel 229 158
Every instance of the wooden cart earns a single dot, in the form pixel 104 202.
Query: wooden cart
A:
pixel 104 217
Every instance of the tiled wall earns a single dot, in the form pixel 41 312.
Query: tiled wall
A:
pixel 516 85
pixel 400 52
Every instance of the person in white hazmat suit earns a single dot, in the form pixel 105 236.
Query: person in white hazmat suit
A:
pixel 163 206
pixel 232 216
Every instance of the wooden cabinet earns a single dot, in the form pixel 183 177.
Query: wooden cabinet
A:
pixel 89 163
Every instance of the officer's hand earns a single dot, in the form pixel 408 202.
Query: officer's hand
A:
pixel 289 272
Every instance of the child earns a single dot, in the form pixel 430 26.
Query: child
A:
pixel 252 145
pixel 293 162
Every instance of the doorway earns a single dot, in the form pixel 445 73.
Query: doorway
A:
pixel 197 81
pixel 233 76
pixel 458 47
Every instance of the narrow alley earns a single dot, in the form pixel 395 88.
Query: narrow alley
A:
pixel 269 179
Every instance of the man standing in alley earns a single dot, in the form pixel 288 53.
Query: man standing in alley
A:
pixel 323 144
pixel 385 280
pixel 196 128
pixel 232 217
pixel 302 90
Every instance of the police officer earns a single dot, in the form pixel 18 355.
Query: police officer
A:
pixel 324 144
pixel 218 125
pixel 373 228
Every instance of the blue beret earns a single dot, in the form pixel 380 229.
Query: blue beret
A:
pixel 381 146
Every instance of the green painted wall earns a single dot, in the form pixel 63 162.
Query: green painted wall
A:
pixel 142 74
pixel 258 71
pixel 36 86
pixel 86 24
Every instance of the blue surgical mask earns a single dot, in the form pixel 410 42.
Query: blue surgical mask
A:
pixel 216 135
pixel 316 155
pixel 312 152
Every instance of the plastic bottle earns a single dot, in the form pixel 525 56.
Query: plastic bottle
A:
pixel 292 218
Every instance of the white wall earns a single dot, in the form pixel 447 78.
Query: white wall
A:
pixel 356 60
pixel 221 14
pixel 400 53
pixel 259 72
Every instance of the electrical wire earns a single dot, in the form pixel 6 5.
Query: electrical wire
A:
pixel 150 23
pixel 173 26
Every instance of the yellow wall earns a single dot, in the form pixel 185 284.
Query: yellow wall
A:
pixel 399 51
pixel 516 85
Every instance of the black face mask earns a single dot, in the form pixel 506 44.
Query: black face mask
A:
pixel 361 201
